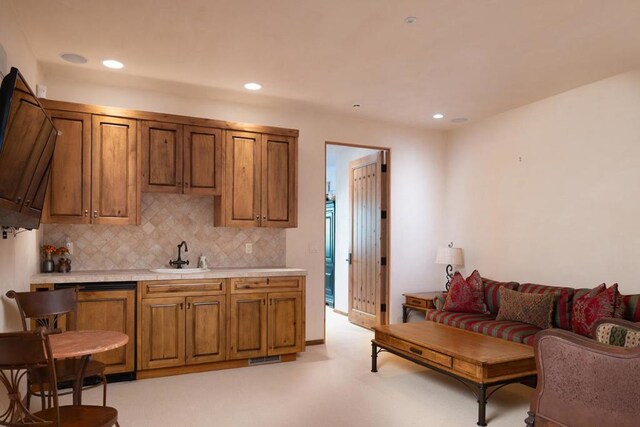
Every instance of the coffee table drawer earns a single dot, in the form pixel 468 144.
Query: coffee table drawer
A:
pixel 418 351
pixel 416 302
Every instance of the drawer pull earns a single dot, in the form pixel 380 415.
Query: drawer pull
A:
pixel 415 350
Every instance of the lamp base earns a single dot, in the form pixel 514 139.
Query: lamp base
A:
pixel 449 271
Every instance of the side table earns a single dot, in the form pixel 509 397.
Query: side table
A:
pixel 420 301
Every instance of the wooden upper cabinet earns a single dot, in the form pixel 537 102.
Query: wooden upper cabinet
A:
pixel 279 186
pixel 202 161
pixel 69 195
pixel 181 159
pixel 161 145
pixel 114 170
pixel 260 181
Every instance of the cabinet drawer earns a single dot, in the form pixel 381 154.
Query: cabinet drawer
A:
pixel 417 351
pixel 159 288
pixel 416 302
pixel 276 284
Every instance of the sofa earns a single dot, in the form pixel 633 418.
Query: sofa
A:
pixel 517 331
pixel 585 382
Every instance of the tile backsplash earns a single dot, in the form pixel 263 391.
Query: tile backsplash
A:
pixel 167 219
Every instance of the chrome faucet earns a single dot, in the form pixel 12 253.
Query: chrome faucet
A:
pixel 179 262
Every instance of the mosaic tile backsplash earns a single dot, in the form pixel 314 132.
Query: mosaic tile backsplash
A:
pixel 167 219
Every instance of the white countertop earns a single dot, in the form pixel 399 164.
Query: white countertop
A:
pixel 139 275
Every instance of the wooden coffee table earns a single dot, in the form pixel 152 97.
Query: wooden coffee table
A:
pixel 482 363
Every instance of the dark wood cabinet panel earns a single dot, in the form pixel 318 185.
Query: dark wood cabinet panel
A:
pixel 202 161
pixel 279 192
pixel 161 145
pixel 285 323
pixel 248 326
pixel 206 329
pixel 163 332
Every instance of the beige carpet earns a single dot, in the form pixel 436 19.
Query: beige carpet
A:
pixel 329 385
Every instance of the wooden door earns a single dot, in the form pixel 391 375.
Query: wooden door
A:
pixel 242 179
pixel 161 145
pixel 285 323
pixel 163 332
pixel 248 326
pixel 202 161
pixel 110 311
pixel 279 193
pixel 367 287
pixel 330 253
pixel 27 132
pixel 114 168
pixel 206 327
pixel 69 195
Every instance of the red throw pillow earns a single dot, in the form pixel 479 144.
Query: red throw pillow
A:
pixel 596 304
pixel 617 300
pixel 466 296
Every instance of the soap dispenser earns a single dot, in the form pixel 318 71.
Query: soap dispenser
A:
pixel 202 261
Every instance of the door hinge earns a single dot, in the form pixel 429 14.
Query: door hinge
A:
pixel 384 168
pixel 383 260
pixel 383 308
pixel 383 214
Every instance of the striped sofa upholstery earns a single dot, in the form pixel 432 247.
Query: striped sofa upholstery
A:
pixel 518 331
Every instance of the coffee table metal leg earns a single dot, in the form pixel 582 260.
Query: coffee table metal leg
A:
pixel 374 357
pixel 405 313
pixel 482 405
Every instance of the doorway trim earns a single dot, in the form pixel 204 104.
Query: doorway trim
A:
pixel 387 196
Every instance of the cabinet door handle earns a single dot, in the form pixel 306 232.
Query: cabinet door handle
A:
pixel 186 184
pixel 86 212
pixel 415 350
pixel 18 200
pixel 264 218
pixel 181 306
pixel 95 214
pixel 26 202
pixel 264 302
pixel 258 219
pixel 188 306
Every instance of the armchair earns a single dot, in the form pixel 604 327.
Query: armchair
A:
pixel 583 382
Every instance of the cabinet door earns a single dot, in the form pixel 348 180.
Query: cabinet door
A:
pixel 162 332
pixel 285 323
pixel 34 199
pixel 279 192
pixel 110 311
pixel 202 161
pixel 242 179
pixel 69 195
pixel 161 145
pixel 206 326
pixel 248 329
pixel 114 168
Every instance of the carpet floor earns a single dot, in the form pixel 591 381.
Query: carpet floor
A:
pixel 329 385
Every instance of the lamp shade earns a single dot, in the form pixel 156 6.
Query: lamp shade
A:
pixel 451 256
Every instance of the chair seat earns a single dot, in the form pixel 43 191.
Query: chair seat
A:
pixel 82 416
pixel 66 369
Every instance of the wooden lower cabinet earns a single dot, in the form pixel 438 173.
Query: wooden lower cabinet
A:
pixel 110 311
pixel 205 329
pixel 182 330
pixel 163 323
pixel 196 325
pixel 248 326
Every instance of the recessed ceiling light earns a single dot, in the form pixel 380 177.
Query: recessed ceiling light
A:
pixel 459 120
pixel 252 86
pixel 410 20
pixel 356 106
pixel 112 63
pixel 74 58
pixel 438 116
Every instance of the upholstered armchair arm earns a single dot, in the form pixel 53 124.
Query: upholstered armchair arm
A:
pixel 584 383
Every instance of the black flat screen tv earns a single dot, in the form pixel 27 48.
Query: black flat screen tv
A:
pixel 27 141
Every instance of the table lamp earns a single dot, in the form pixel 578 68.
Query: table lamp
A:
pixel 449 256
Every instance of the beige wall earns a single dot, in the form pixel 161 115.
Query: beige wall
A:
pixel 549 192
pixel 417 186
pixel 18 255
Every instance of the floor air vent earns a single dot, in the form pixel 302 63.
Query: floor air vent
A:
pixel 263 360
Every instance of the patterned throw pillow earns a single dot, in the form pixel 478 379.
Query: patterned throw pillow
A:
pixel 466 296
pixel 594 305
pixel 609 333
pixel 536 310
pixel 617 300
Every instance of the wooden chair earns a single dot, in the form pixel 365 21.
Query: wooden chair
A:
pixel 21 354
pixel 47 309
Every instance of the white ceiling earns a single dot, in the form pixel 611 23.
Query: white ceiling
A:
pixel 469 58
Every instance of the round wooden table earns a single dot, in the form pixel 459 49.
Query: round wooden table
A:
pixel 83 344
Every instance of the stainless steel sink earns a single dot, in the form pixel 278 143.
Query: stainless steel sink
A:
pixel 178 270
